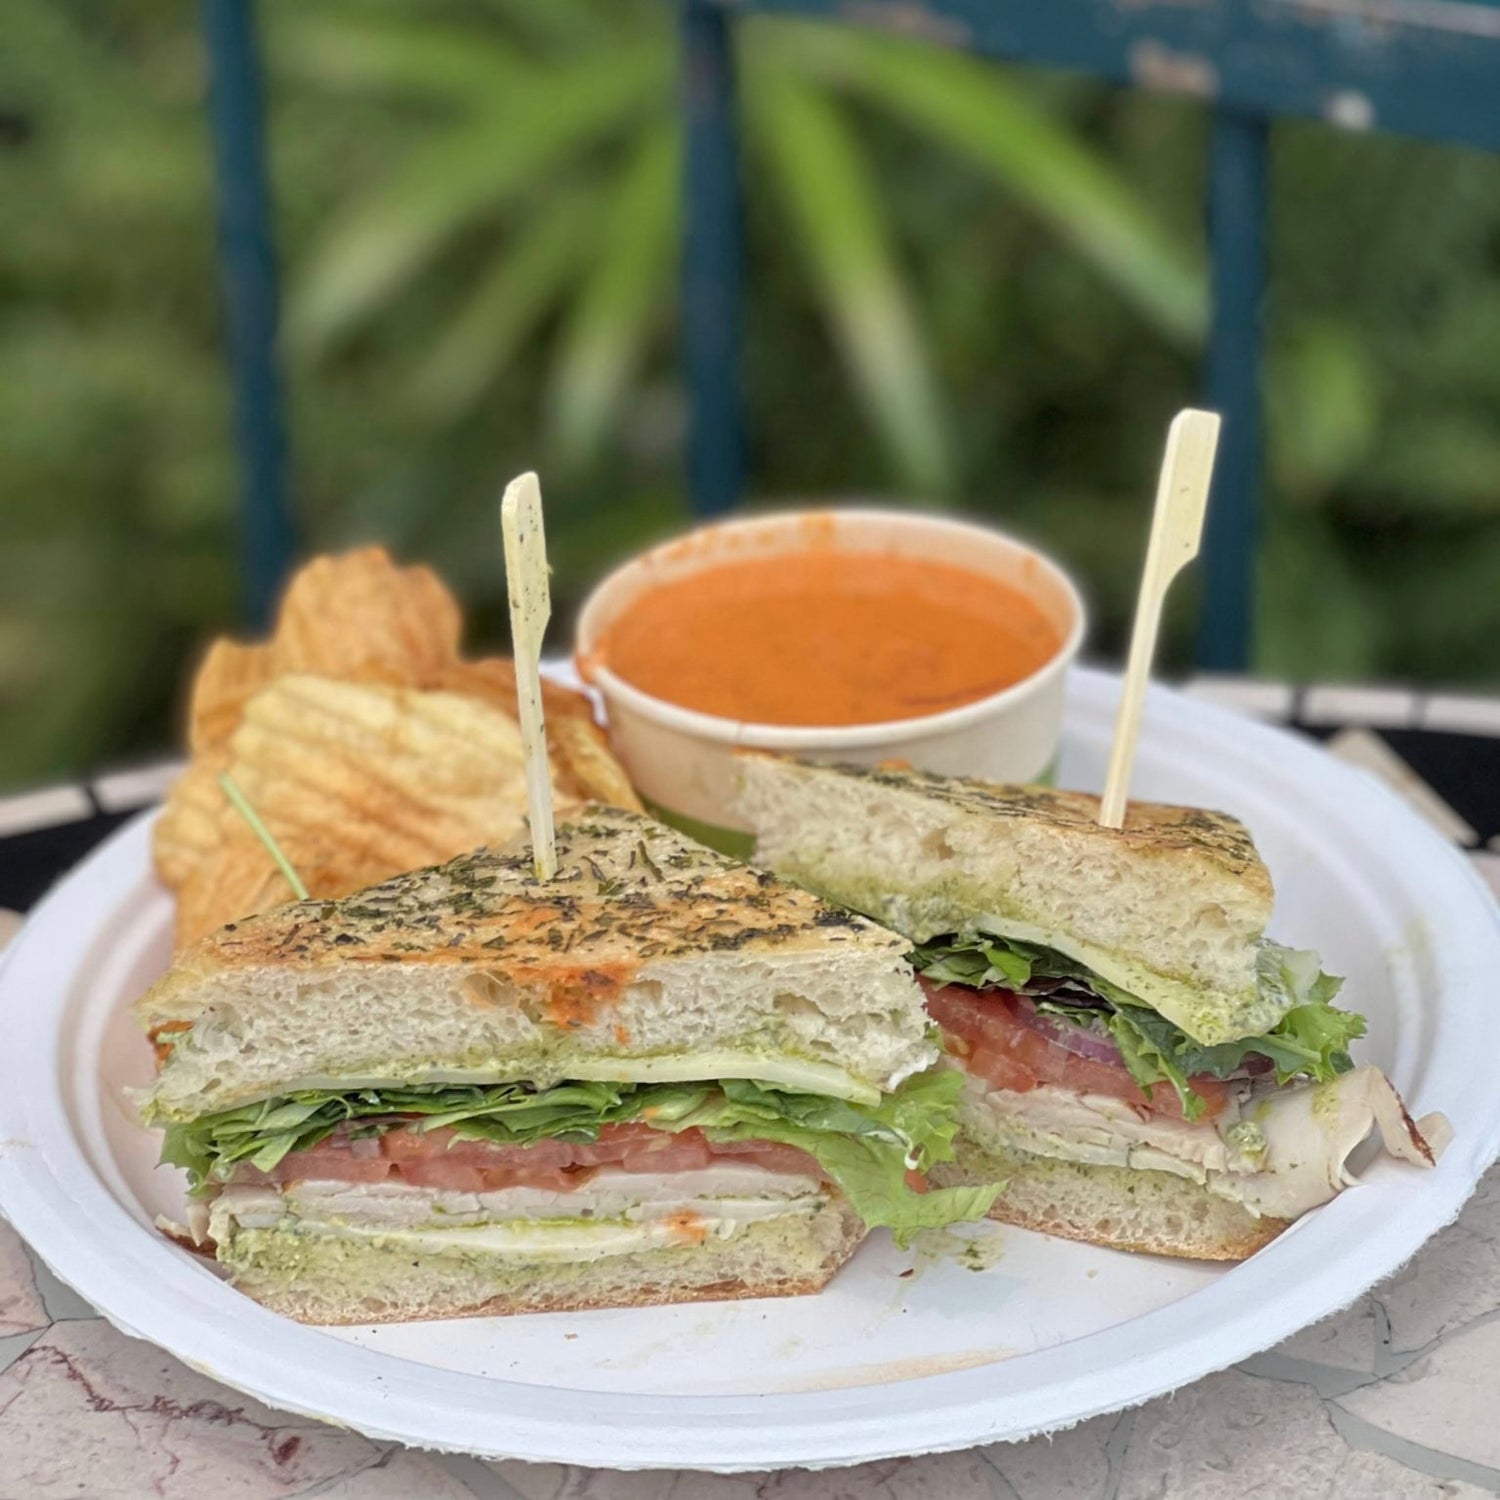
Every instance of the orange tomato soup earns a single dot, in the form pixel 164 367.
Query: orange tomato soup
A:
pixel 828 637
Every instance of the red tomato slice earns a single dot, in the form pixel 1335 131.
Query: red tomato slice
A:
pixel 402 1145
pixel 1214 1093
pixel 445 1176
pixel 329 1161
pixel 1000 1048
pixel 684 1152
pixel 443 1160
pixel 1001 1069
pixel 771 1156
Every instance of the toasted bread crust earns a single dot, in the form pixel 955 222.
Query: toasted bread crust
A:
pixel 414 1287
pixel 1256 1235
pixel 1152 829
pixel 292 1304
pixel 1104 1206
pixel 627 890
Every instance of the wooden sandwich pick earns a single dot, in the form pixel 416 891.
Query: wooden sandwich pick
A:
pixel 1176 530
pixel 530 609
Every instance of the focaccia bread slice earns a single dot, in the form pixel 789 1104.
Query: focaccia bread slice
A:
pixel 1170 908
pixel 647 958
pixel 1121 1208
pixel 337 1274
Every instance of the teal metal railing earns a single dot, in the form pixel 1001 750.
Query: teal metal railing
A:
pixel 247 268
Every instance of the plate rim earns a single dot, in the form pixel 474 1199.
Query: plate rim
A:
pixel 150 1290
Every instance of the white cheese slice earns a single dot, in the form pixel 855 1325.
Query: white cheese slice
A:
pixel 544 1240
pixel 793 1074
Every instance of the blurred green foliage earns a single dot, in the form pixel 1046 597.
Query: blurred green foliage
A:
pixel 971 285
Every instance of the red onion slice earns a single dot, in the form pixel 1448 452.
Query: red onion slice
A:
pixel 1082 1042
pixel 1079 1040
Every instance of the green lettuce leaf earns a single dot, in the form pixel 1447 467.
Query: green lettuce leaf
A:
pixel 984 961
pixel 263 1133
pixel 1150 1058
pixel 1007 962
pixel 866 1151
pixel 1310 1040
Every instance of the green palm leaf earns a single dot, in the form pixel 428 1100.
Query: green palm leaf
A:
pixel 573 25
pixel 834 205
pixel 508 303
pixel 428 58
pixel 509 149
pixel 606 334
pixel 970 108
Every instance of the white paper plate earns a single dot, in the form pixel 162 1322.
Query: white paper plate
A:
pixel 905 1353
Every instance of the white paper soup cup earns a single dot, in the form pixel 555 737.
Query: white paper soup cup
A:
pixel 683 762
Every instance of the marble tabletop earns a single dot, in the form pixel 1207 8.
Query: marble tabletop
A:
pixel 1393 1399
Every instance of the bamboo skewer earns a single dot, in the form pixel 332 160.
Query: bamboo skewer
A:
pixel 530 609
pixel 1176 531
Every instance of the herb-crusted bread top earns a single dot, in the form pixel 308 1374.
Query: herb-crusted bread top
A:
pixel 645 952
pixel 1170 908
pixel 627 889
pixel 1152 829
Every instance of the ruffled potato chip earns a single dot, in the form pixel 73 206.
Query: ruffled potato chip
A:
pixel 367 745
